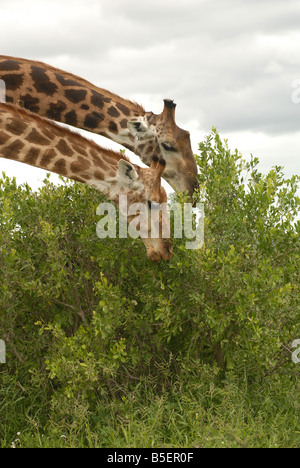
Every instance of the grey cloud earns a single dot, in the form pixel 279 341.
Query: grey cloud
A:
pixel 225 18
pixel 205 55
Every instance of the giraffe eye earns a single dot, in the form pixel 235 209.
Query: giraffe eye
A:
pixel 168 148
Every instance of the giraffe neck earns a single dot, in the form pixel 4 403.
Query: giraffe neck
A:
pixel 63 97
pixel 69 99
pixel 30 139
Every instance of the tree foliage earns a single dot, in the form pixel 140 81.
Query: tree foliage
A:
pixel 90 320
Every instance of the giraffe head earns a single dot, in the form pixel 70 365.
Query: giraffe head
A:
pixel 142 199
pixel 159 134
pixel 149 199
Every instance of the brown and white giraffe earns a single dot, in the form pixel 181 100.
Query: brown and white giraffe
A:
pixel 33 140
pixel 69 99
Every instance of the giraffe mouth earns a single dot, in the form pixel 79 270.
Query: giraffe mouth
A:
pixel 166 255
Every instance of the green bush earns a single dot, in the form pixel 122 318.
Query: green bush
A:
pixel 107 349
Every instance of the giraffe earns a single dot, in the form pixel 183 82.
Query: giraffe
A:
pixel 66 98
pixel 39 142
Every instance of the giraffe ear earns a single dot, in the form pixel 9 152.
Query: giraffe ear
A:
pixel 127 171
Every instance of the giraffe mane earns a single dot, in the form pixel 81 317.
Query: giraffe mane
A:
pixel 134 105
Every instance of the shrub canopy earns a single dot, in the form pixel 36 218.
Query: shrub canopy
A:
pixel 87 319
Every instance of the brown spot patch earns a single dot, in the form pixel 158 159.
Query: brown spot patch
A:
pixel 4 137
pixel 113 127
pixel 13 81
pixel 47 133
pixel 98 99
pixel 123 108
pixel 71 118
pixel 99 175
pixel 16 126
pixel 66 81
pixel 48 156
pixel 142 147
pixel 113 112
pixel 60 167
pixel 13 150
pixel 107 159
pixel 80 165
pixel 95 157
pixel 9 65
pixel 55 110
pixel 93 120
pixel 150 149
pixel 105 166
pixel 80 149
pixel 32 156
pixel 41 81
pixel 36 138
pixel 64 149
pixel 75 95
pixel 123 123
pixel 30 103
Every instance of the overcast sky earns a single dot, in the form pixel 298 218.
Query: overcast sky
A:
pixel 233 64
